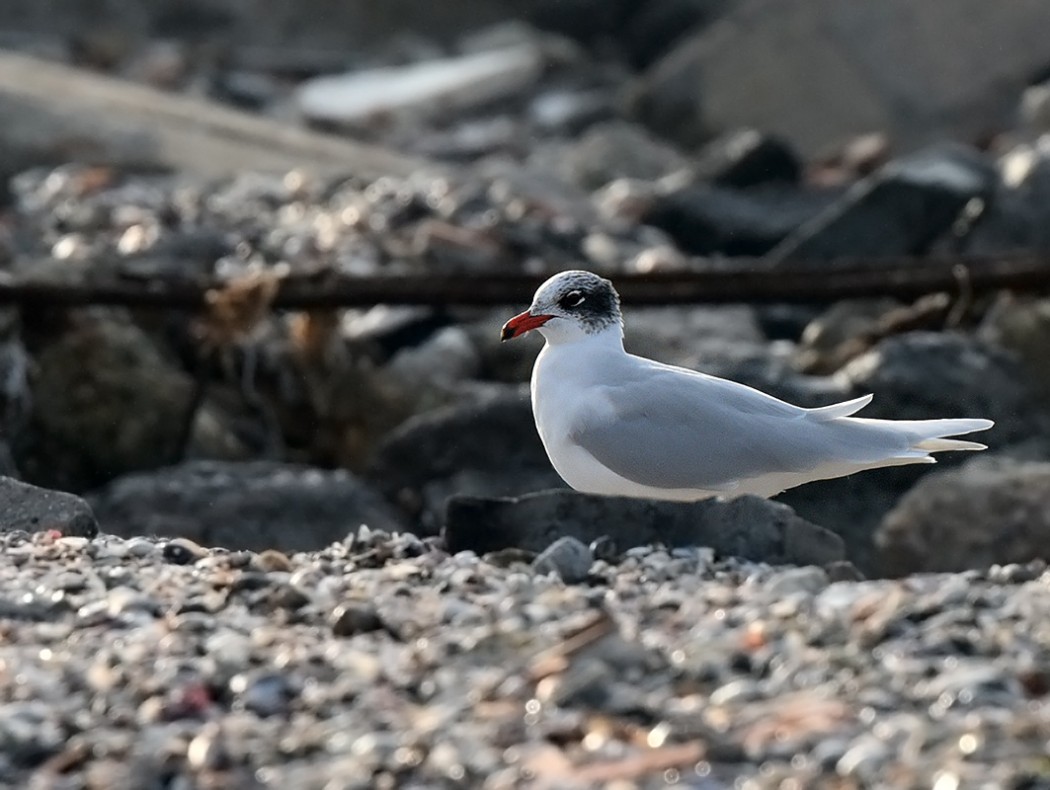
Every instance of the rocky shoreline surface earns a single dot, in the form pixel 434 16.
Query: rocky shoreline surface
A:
pixel 383 661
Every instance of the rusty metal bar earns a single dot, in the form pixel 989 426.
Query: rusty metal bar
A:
pixel 736 280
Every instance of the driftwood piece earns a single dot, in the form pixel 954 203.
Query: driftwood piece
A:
pixel 53 113
pixel 745 281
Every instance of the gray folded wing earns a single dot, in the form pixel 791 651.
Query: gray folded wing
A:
pixel 668 429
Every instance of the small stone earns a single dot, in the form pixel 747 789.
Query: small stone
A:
pixel 266 694
pixel 568 558
pixel 140 547
pixel 352 619
pixel 809 580
pixel 504 558
pixel 207 750
pixel 604 548
pixel 273 560
pixel 182 551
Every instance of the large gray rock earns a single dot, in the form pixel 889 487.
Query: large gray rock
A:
pixel 822 71
pixel 918 376
pixel 487 448
pixel 105 401
pixel 986 512
pixel 748 527
pixel 255 506
pixel 900 210
pixel 32 509
pixel 607 151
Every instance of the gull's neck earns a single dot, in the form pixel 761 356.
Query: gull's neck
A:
pixel 608 339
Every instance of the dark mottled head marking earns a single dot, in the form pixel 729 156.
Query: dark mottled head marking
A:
pixel 581 296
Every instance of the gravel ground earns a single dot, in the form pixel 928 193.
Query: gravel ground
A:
pixel 382 661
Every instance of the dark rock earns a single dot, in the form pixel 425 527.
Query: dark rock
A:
pixel 254 506
pixel 917 376
pixel 31 509
pixel 900 210
pixel 569 558
pixel 748 527
pixel 843 571
pixel 705 219
pixel 604 548
pixel 747 158
pixel 353 619
pixel 7 461
pixel 383 330
pixel 923 375
pixel 657 26
pixel 988 511
pixel 262 692
pixel 185 552
pixel 1018 216
pixel 584 20
pixel 105 402
pixel 486 448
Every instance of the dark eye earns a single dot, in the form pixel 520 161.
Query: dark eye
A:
pixel 571 299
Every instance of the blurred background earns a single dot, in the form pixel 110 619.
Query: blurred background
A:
pixel 153 151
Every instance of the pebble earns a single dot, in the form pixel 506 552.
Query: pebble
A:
pixel 353 619
pixel 492 670
pixel 183 551
pixel 568 558
pixel 808 580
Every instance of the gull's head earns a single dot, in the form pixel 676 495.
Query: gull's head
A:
pixel 570 306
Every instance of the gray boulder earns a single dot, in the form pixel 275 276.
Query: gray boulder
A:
pixel 488 447
pixel 253 506
pixel 32 509
pixel 105 401
pixel 988 511
pixel 747 527
pixel 918 376
pixel 820 72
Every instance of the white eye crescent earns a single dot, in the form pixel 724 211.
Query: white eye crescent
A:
pixel 572 299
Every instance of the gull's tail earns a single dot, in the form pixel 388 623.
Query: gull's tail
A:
pixel 933 436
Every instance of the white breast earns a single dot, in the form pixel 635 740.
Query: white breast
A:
pixel 561 385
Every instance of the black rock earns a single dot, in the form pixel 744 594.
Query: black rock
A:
pixel 584 20
pixel 659 24
pixel 746 158
pixel 748 527
pixel 254 506
pixel 706 219
pixel 356 618
pixel 486 448
pixel 31 509
pixel 900 210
